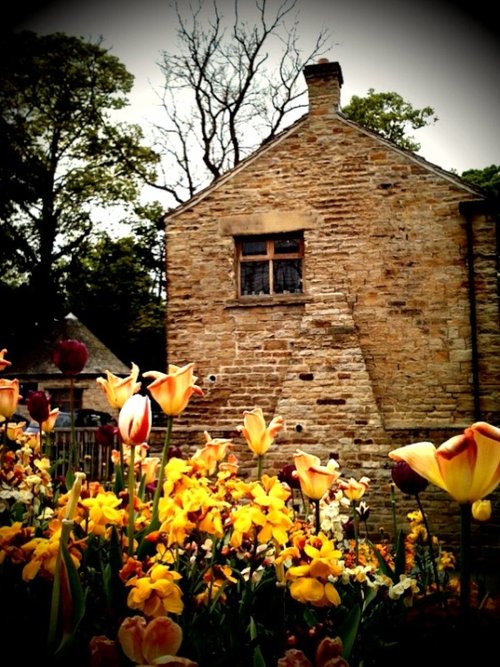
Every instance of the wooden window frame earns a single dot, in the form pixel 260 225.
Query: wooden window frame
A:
pixel 268 256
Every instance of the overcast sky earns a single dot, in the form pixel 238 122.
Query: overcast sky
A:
pixel 432 53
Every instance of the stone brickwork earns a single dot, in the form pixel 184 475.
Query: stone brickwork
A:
pixel 379 347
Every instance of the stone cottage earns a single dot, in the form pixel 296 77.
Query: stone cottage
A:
pixel 343 283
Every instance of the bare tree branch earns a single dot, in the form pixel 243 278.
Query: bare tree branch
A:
pixel 231 85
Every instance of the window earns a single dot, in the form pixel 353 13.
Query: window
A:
pixel 270 264
pixel 60 398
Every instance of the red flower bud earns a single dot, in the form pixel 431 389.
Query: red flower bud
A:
pixel 407 480
pixel 71 356
pixel 38 404
pixel 105 435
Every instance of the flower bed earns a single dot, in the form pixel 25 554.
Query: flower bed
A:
pixel 182 562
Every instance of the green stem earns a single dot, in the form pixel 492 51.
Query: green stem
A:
pixel 131 489
pixel 259 466
pixel 465 559
pixel 429 543
pixel 161 472
pixel 356 531
pixel 394 520
pixel 317 516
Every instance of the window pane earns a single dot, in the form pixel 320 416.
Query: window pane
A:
pixel 287 275
pixel 287 245
pixel 253 247
pixel 255 278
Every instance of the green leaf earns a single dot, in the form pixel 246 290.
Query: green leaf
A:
pixel 72 609
pixel 348 630
pixel 400 557
pixel 383 564
pixel 257 658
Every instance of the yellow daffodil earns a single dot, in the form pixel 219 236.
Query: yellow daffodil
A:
pixel 103 512
pixel 173 390
pixel 9 397
pixel 315 479
pixel 259 437
pixel 118 390
pixel 134 421
pixel 466 466
pixel 156 593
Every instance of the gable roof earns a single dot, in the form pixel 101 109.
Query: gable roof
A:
pixel 37 361
pixel 337 114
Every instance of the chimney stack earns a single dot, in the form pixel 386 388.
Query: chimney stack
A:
pixel 324 80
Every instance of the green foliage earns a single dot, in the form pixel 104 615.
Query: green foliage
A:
pixel 389 115
pixel 487 179
pixel 112 288
pixel 62 155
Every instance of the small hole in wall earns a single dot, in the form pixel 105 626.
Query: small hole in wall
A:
pixel 299 428
pixel 212 378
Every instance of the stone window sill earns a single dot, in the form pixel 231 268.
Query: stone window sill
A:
pixel 268 300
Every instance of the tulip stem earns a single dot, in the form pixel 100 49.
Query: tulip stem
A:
pixel 161 471
pixel 356 530
pixel 465 560
pixel 131 490
pixel 259 466
pixel 317 516
pixel 429 543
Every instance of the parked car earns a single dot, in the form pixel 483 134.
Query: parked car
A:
pixel 83 417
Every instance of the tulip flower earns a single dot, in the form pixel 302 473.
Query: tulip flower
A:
pixel 315 479
pixel 9 397
pixel 259 437
pixel 354 490
pixel 70 356
pixel 151 643
pixel 117 390
pixel 4 363
pixel 172 391
pixel 134 422
pixel 49 423
pixel 466 466
pixel 38 404
pixel 407 480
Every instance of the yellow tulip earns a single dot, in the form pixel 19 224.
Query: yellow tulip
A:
pixel 353 489
pixel 259 437
pixel 117 390
pixel 9 397
pixel 315 479
pixel 172 391
pixel 466 466
pixel 49 424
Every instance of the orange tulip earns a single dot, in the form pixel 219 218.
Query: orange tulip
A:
pixel 3 362
pixel 134 421
pixel 147 643
pixel 259 437
pixel 467 466
pixel 117 390
pixel 49 424
pixel 315 479
pixel 213 452
pixel 9 397
pixel 172 391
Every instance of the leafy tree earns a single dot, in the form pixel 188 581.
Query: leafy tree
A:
pixel 113 288
pixel 487 179
pixel 62 157
pixel 221 96
pixel 389 115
